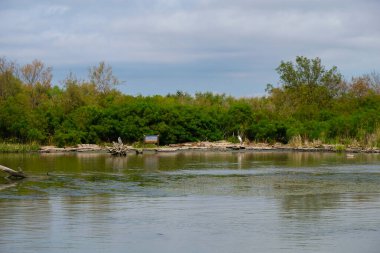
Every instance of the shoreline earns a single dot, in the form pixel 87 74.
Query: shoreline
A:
pixel 220 146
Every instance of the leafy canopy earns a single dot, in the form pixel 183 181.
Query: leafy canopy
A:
pixel 309 72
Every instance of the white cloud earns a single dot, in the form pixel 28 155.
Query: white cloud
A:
pixel 55 10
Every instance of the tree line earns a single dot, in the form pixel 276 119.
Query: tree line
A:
pixel 311 103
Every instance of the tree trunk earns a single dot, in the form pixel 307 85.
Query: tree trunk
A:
pixel 12 173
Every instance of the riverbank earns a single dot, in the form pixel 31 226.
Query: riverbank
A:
pixel 221 146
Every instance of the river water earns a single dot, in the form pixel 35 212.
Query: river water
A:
pixel 191 202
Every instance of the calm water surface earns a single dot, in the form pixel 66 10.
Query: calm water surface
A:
pixel 191 202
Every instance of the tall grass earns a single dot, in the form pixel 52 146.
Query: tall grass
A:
pixel 373 140
pixel 364 141
pixel 18 148
pixel 296 141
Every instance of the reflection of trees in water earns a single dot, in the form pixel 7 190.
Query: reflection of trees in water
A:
pixel 151 162
pixel 117 163
pixel 27 216
pixel 365 197
pixel 89 216
pixel 302 217
pixel 311 206
pixel 308 205
pixel 309 159
pixel 75 205
pixel 302 158
pixel 309 218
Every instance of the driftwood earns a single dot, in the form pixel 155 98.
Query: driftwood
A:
pixel 13 173
pixel 78 148
pixel 118 148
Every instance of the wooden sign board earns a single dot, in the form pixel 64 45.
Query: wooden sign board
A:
pixel 151 139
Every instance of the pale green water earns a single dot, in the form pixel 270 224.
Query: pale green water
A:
pixel 191 202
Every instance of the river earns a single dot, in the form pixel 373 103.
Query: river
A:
pixel 191 202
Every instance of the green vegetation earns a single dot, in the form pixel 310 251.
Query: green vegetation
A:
pixel 340 148
pixel 141 144
pixel 312 104
pixel 18 148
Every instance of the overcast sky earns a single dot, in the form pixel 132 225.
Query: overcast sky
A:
pixel 223 46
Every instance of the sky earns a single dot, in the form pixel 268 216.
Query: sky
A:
pixel 220 46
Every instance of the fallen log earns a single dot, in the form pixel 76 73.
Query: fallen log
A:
pixel 12 173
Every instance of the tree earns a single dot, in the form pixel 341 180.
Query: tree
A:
pixel 306 86
pixel 78 93
pixel 373 80
pixel 36 73
pixel 310 73
pixel 10 85
pixel 37 77
pixel 239 117
pixel 102 77
pixel 360 87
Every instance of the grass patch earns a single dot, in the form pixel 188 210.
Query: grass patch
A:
pixel 18 148
pixel 340 148
pixel 143 145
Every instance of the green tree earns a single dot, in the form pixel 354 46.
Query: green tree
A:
pixel 238 118
pixel 10 85
pixel 307 86
pixel 309 72
pixel 37 78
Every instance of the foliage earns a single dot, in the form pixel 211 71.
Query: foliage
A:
pixel 312 103
pixel 308 72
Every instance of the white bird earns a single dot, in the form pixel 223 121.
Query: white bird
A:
pixel 240 139
pixel 119 140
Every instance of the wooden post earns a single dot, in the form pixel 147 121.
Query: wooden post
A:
pixel 12 173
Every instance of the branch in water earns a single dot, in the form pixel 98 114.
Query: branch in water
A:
pixel 12 173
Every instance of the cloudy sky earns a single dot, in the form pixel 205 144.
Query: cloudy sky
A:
pixel 161 46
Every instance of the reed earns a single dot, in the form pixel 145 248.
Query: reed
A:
pixel 373 140
pixel 340 148
pixel 296 141
pixel 18 148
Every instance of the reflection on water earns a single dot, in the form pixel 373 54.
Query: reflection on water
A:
pixel 191 202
